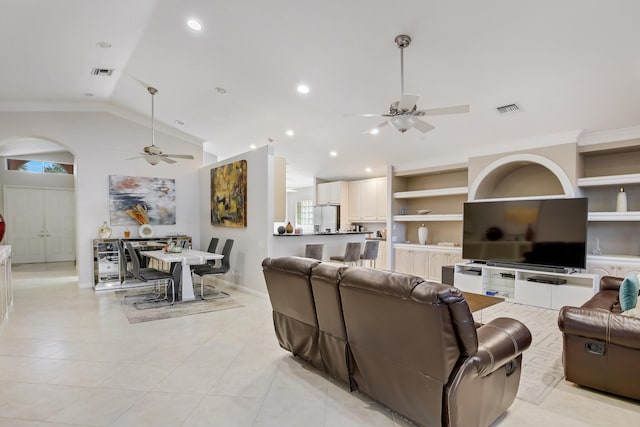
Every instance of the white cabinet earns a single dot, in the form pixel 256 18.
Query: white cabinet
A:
pixel 527 286
pixel 368 200
pixel 329 193
pixel 620 266
pixel 425 261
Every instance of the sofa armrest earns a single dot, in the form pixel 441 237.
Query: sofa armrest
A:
pixel 499 341
pixel 610 283
pixel 600 325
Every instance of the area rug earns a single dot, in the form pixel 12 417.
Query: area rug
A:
pixel 542 362
pixel 163 310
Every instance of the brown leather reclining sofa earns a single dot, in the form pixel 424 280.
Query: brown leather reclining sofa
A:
pixel 409 344
pixel 601 348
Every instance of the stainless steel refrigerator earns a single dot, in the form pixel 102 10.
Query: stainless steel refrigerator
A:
pixel 326 219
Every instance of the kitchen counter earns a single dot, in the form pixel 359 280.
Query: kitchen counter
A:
pixel 339 233
pixel 334 243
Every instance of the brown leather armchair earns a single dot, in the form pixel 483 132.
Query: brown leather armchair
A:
pixel 601 348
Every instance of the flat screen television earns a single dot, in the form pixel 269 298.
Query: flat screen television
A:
pixel 537 233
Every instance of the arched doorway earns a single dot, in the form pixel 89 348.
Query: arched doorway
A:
pixel 38 200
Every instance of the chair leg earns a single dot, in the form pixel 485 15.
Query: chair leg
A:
pixel 218 294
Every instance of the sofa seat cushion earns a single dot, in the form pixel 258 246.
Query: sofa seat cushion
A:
pixel 629 292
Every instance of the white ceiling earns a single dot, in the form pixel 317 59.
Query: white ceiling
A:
pixel 570 64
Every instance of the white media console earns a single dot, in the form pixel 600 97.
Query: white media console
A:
pixel 530 287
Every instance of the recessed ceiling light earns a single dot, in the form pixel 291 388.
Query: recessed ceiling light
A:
pixel 220 90
pixel 179 122
pixel 253 146
pixel 194 24
pixel 333 153
pixel 302 88
pixel 367 170
pixel 87 94
pixel 104 45
pixel 374 131
pixel 289 132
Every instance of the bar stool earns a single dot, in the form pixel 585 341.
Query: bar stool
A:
pixel 351 254
pixel 314 250
pixel 370 252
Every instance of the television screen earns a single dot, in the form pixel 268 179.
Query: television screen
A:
pixel 547 232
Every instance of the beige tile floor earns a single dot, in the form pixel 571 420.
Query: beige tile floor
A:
pixel 68 357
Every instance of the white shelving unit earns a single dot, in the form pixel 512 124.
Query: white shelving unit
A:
pixel 430 193
pixel 428 218
pixel 520 285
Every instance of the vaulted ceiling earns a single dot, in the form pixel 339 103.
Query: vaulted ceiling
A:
pixel 571 64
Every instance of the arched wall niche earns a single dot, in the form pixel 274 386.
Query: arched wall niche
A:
pixel 521 175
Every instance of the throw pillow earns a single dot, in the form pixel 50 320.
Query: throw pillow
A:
pixel 629 292
pixel 634 312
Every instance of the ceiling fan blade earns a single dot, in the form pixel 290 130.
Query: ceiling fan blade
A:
pixel 363 115
pixel 454 109
pixel 407 102
pixel 180 156
pixel 421 125
pixel 165 159
pixel 136 157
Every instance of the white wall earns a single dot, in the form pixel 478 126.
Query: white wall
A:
pixel 252 243
pixel 101 143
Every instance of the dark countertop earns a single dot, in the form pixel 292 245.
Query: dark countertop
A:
pixel 382 239
pixel 322 234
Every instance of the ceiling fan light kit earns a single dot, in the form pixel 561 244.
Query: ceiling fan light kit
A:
pixel 404 114
pixel 152 153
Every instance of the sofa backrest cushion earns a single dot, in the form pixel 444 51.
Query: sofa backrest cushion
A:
pixel 424 326
pixel 289 287
pixel 325 280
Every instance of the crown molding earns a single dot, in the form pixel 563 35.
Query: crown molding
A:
pixel 96 107
pixel 609 135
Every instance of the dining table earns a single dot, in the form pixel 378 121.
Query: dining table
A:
pixel 187 257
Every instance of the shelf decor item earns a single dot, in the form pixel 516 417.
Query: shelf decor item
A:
pixel 423 233
pixel 281 229
pixel 289 228
pixel 145 230
pixel 597 250
pixel 621 205
pixel 104 231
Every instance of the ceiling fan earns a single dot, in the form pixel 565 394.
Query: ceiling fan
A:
pixel 152 153
pixel 403 114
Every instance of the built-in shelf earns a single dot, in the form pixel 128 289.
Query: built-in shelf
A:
pixel 614 216
pixel 430 193
pixel 598 181
pixel 504 199
pixel 428 218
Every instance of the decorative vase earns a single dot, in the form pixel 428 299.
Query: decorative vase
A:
pixel 145 230
pixel 528 235
pixel 281 229
pixel 104 231
pixel 597 250
pixel 3 227
pixel 423 233
pixel 289 228
pixel 621 205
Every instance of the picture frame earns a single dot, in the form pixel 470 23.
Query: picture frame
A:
pixel 229 195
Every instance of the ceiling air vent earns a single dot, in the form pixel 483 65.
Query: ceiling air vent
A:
pixel 511 108
pixel 101 71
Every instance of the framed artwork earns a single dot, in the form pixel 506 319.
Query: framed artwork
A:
pixel 140 200
pixel 229 195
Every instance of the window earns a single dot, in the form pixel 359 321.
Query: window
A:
pixel 304 215
pixel 39 166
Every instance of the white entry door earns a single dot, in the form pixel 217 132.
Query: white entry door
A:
pixel 40 224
